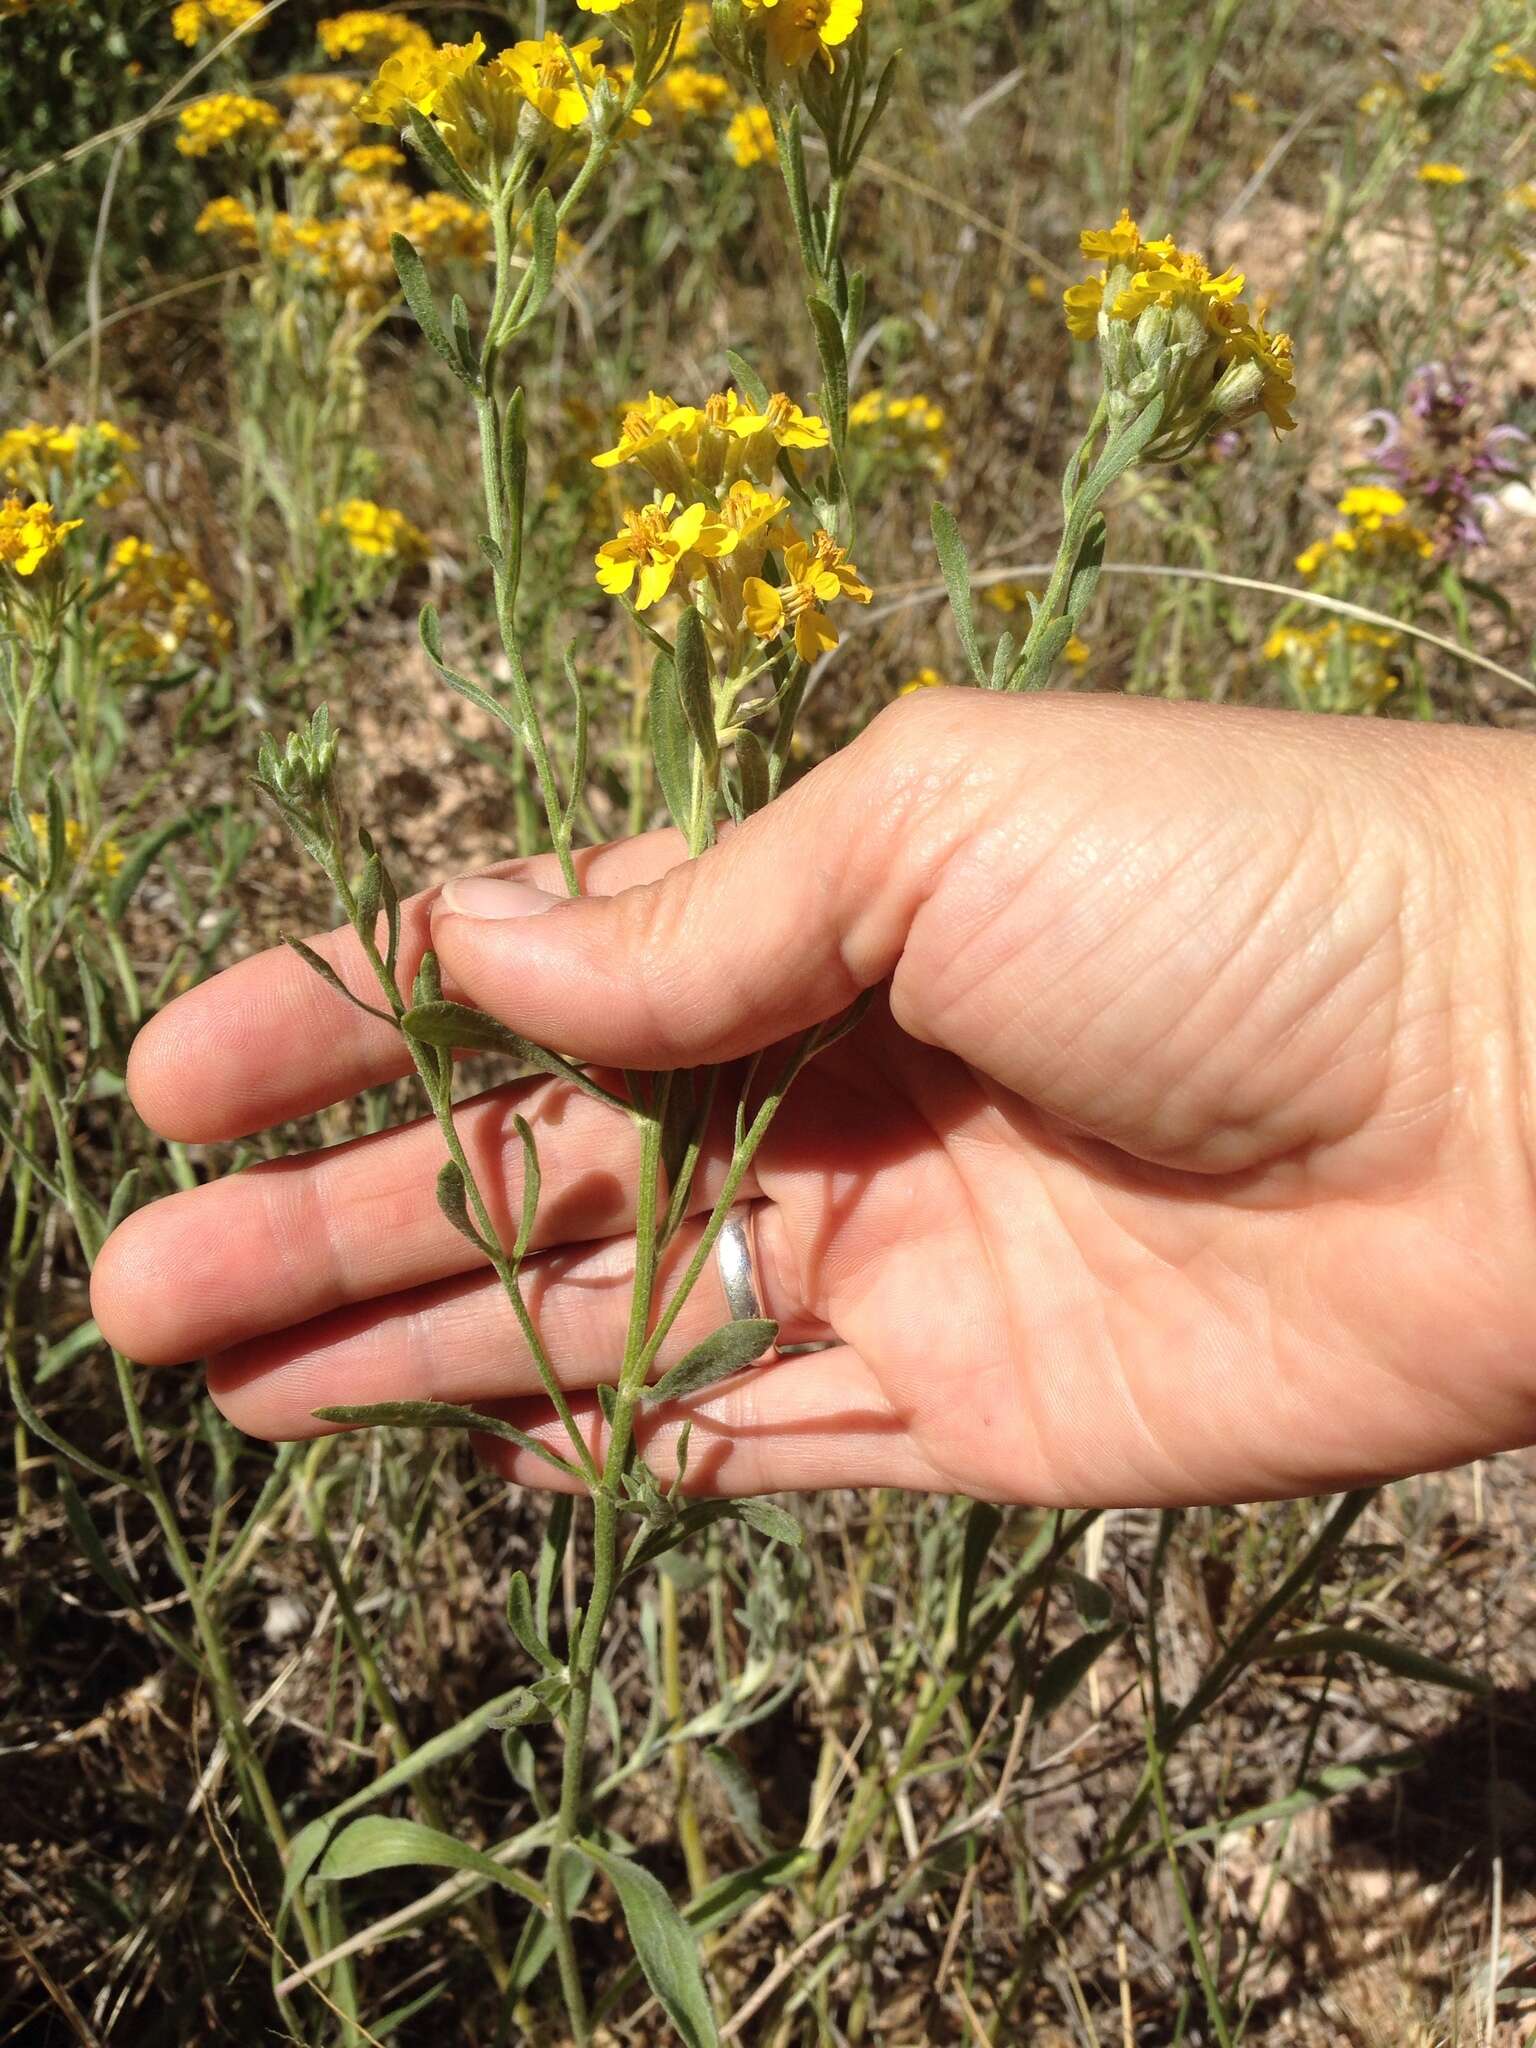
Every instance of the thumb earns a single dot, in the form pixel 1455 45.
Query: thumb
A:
pixel 774 929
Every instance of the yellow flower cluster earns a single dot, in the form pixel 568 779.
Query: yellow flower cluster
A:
pixel 1376 528
pixel 157 610
pixel 225 120
pixel 1509 63
pixel 194 19
pixel 717 518
pixel 475 105
pixel 1166 322
pixel 750 138
pixel 75 463
pixel 105 862
pixel 322 123
pixel 1340 666
pixel 377 532
pixel 351 252
pixel 902 427
pixel 369 34
pixel 798 30
pixel 1441 174
pixel 30 535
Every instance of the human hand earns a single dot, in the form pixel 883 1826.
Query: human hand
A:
pixel 1185 1155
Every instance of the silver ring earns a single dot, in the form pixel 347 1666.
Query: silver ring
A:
pixel 736 1258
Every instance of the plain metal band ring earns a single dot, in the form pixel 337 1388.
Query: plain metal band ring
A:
pixel 735 1257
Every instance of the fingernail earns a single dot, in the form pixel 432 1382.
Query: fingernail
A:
pixel 484 896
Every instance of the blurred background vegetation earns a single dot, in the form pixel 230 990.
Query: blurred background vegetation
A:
pixel 926 1730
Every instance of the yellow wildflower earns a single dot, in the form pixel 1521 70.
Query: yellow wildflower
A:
pixel 1377 527
pixel 369 157
pixel 799 30
pixel 647 424
pixel 1010 596
pixel 107 860
pixel 1430 81
pixel 750 137
pixel 194 19
pixel 544 75
pixel 925 679
pixel 783 423
pixel 228 216
pixel 71 461
pixel 370 34
pixel 157 609
pixel 224 120
pixel 1166 323
pixel 1037 287
pixel 1246 102
pixel 654 545
pixel 1523 196
pixel 377 531
pixel 1441 174
pixel 1077 652
pixel 1338 666
pixel 687 90
pixel 817 574
pixel 1508 63
pixel 693 29
pixel 30 536
pixel 747 511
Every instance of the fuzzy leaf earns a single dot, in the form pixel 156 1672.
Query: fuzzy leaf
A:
pixel 430 628
pixel 667 1951
pixel 671 743
pixel 328 974
pixel 695 685
pixel 417 289
pixel 383 1842
pixel 957 581
pixel 726 1350
pixel 441 1415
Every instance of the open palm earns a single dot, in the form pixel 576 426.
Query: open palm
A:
pixel 1183 1155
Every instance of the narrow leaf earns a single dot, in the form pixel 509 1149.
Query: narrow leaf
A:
pixel 1065 1672
pixel 523 1622
pixel 531 1182
pixel 957 581
pixel 417 289
pixel 430 629
pixel 457 1028
pixel 752 386
pixel 694 684
pixel 453 1200
pixel 671 742
pixel 1382 1650
pixel 441 1415
pixel 726 1350
pixel 667 1950
pixel 381 1842
pixel 834 367
pixel 327 973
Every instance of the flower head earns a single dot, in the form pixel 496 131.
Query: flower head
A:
pixel 377 532
pixel 799 30
pixel 157 610
pixel 558 81
pixel 815 576
pixel 370 34
pixel 30 536
pixel 194 19
pixel 654 545
pixel 1441 174
pixel 225 120
pixel 1167 325
pixel 1508 63
pixel 750 137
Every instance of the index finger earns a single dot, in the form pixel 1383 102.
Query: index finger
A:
pixel 267 1039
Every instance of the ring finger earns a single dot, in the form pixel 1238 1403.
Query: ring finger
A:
pixel 459 1340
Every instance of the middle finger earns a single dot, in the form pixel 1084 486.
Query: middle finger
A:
pixel 220 1265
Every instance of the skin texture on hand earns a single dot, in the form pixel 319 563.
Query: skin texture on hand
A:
pixel 1185 1153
